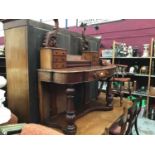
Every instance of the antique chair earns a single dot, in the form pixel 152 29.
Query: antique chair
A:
pixel 124 126
pixel 121 82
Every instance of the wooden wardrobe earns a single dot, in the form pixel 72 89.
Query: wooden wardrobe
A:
pixel 23 39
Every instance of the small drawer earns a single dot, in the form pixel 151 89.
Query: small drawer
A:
pixel 59 53
pixel 59 59
pixel 59 65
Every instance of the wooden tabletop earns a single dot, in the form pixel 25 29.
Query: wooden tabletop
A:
pixel 76 74
pixel 78 69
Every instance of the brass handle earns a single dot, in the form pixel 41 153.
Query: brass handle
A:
pixel 98 75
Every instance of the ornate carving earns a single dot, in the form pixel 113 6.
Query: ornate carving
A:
pixel 51 36
pixel 84 43
pixel 70 112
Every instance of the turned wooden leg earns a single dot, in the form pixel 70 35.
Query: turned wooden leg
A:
pixel 121 95
pixel 109 96
pixel 70 112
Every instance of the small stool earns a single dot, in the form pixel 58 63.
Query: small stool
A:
pixel 120 92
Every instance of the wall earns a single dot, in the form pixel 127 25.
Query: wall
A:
pixel 134 32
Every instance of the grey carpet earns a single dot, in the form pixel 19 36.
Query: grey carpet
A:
pixel 145 126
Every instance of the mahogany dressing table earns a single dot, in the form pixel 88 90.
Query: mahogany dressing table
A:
pixel 67 79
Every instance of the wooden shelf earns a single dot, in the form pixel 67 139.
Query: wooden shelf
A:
pixel 132 57
pixel 133 93
pixel 136 93
pixel 134 74
pixel 146 75
pixel 139 94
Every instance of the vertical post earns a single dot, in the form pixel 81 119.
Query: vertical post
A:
pixel 149 77
pixel 70 111
pixel 66 23
pixel 113 52
pixel 109 96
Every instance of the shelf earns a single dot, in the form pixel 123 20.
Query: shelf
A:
pixel 134 74
pixel 133 93
pixel 136 93
pixel 141 79
pixel 151 96
pixel 132 57
pixel 140 94
pixel 146 75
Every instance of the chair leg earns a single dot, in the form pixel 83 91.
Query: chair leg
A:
pixel 121 95
pixel 136 127
pixel 129 89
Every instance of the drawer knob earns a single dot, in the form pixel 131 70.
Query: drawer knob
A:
pixel 99 75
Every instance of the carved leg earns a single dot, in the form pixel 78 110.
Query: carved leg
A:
pixel 70 112
pixel 109 96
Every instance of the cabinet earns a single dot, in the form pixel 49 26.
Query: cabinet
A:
pixel 142 71
pixel 23 40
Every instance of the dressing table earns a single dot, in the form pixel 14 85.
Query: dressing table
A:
pixel 57 89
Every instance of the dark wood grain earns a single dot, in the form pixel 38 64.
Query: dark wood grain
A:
pixel 66 78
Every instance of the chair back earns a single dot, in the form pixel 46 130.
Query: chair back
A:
pixel 133 113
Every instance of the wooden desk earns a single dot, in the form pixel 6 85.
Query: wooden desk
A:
pixel 70 77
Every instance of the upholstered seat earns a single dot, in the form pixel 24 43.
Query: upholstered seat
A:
pixel 121 79
pixel 115 129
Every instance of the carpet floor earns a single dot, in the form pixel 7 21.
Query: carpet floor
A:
pixel 145 126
